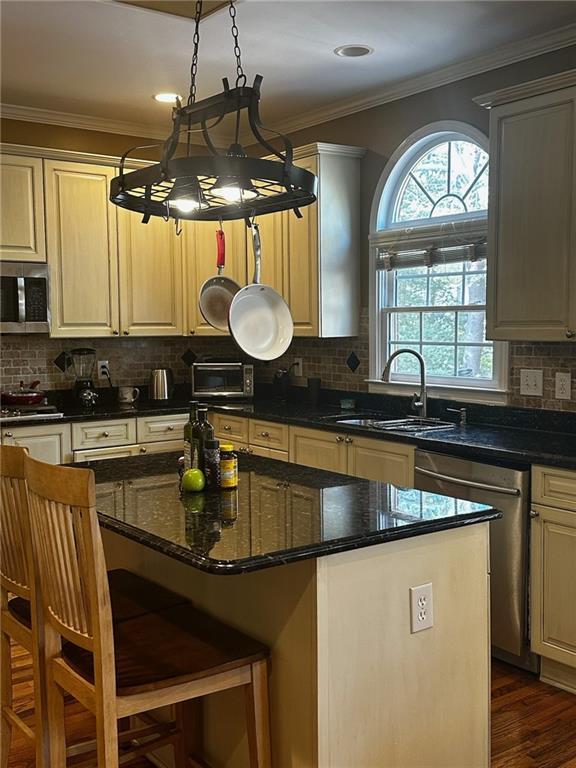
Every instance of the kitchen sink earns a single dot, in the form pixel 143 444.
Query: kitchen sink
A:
pixel 409 424
pixel 354 416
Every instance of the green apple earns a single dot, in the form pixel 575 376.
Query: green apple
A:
pixel 193 480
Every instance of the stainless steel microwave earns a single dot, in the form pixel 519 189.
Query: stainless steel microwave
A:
pixel 24 297
pixel 222 379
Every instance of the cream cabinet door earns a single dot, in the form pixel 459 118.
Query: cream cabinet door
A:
pixel 200 264
pixel 532 219
pixel 150 256
pixel 82 250
pixel 319 449
pixel 301 266
pixel 379 460
pixel 49 442
pixel 23 237
pixel 553 584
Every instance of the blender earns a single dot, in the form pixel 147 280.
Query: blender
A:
pixel 82 362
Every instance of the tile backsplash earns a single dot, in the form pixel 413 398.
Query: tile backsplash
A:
pixel 31 357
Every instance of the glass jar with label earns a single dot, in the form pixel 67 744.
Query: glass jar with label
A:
pixel 228 466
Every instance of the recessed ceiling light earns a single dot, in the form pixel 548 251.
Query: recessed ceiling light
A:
pixel 353 51
pixel 167 98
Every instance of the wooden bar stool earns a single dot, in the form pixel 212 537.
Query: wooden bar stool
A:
pixel 21 618
pixel 117 670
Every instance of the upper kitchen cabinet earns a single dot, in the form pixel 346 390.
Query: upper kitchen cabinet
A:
pixel 322 260
pixel 151 275
pixel 22 216
pixel 199 243
pixel 82 250
pixel 532 211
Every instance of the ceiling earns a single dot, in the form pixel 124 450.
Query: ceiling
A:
pixel 105 60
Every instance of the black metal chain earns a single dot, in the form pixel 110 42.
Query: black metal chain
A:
pixel 196 42
pixel 240 76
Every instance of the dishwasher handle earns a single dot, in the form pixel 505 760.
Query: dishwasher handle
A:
pixel 469 483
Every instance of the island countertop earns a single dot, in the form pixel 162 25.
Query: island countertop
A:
pixel 280 513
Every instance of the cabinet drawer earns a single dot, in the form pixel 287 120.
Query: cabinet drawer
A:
pixel 99 434
pixel 267 434
pixel 554 487
pixel 268 453
pixel 98 454
pixel 233 428
pixel 155 428
pixel 163 446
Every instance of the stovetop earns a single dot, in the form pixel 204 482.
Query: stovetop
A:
pixel 28 412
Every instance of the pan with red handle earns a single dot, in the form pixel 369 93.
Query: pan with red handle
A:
pixel 217 292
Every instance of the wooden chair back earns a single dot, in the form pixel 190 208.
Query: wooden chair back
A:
pixel 70 554
pixel 15 542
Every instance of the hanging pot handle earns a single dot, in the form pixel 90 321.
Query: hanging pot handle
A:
pixel 221 245
pixel 257 245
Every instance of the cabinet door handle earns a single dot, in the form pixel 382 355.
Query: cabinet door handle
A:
pixel 570 334
pixel 227 427
pixel 534 514
pixel 8 434
pixel 348 440
pixel 265 434
pixel 142 450
pixel 115 333
pixel 339 439
pixel 105 434
pixel 170 428
pixel 126 333
pixel 192 331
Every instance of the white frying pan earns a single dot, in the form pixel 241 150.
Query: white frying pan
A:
pixel 259 318
pixel 217 292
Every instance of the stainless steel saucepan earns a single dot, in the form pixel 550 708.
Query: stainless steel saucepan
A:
pixel 217 292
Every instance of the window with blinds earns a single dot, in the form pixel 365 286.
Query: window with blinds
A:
pixel 429 254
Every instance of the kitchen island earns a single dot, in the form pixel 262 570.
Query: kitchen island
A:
pixel 319 566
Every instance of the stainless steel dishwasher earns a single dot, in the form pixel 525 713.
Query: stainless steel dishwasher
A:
pixel 508 490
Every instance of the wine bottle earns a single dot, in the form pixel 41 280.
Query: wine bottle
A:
pixel 188 439
pixel 202 430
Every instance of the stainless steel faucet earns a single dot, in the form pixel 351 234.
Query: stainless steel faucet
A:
pixel 421 403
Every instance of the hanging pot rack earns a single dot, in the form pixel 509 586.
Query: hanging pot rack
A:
pixel 262 186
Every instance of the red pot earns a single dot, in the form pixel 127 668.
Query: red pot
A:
pixel 23 395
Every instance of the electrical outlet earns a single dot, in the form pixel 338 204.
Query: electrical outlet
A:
pixel 531 382
pixel 421 608
pixel 297 369
pixel 563 387
pixel 102 367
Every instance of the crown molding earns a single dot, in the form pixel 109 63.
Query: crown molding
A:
pixel 526 90
pixel 322 148
pixel 49 153
pixel 72 120
pixel 499 57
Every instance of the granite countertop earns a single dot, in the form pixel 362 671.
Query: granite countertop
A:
pixel 482 441
pixel 280 513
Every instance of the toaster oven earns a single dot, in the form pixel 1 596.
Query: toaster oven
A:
pixel 212 380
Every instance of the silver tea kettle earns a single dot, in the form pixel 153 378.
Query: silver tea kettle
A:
pixel 161 384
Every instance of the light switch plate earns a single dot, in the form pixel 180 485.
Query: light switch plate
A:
pixel 563 388
pixel 531 382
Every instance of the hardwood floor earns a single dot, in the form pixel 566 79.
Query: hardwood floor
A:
pixel 533 724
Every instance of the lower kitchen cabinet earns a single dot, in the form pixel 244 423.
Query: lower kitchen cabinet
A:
pixel 103 434
pixel 319 449
pixel 232 429
pixel 99 454
pixel 49 442
pixel 151 429
pixel 553 567
pixel 380 460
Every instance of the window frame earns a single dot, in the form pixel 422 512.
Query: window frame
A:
pixel 381 229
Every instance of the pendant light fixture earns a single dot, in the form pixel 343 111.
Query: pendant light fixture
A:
pixel 216 185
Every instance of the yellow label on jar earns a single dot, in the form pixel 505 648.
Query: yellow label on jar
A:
pixel 229 472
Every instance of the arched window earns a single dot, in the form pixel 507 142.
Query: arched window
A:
pixel 428 261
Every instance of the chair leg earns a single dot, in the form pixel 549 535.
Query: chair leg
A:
pixel 258 717
pixel 5 698
pixel 189 722
pixel 106 738
pixel 56 725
